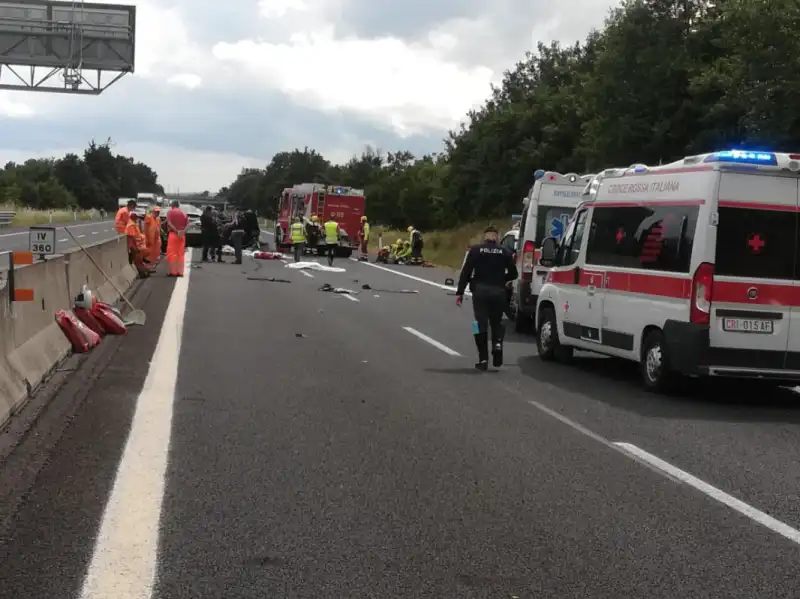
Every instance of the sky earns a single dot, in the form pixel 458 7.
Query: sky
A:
pixel 219 86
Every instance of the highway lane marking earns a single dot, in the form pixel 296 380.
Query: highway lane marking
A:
pixel 95 232
pixel 63 240
pixel 743 508
pixel 433 342
pixel 408 276
pixel 308 274
pixel 79 236
pixel 350 297
pixel 663 468
pixel 125 555
pixel 56 226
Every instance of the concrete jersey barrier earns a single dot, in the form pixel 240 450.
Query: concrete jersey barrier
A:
pixel 31 342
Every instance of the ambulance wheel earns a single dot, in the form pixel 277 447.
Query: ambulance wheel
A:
pixel 547 342
pixel 657 375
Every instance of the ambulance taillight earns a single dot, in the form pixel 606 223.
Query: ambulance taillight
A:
pixel 702 287
pixel 528 256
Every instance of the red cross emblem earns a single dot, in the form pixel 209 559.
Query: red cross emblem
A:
pixel 566 306
pixel 756 243
pixel 620 235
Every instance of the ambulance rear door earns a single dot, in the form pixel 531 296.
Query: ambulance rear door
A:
pixel 755 284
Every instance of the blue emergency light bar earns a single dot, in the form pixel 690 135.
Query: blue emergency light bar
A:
pixel 743 157
pixel 538 175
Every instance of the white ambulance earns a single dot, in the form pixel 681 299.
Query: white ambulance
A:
pixel 688 268
pixel 547 210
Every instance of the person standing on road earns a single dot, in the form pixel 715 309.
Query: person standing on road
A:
pixel 210 234
pixel 298 233
pixel 177 223
pixel 331 239
pixel 415 239
pixel 123 216
pixel 364 234
pixel 152 233
pixel 137 245
pixel 488 269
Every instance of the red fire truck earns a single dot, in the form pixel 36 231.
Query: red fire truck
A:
pixel 343 204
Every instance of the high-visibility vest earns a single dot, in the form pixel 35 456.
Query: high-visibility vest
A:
pixel 366 231
pixel 331 232
pixel 121 220
pixel 298 232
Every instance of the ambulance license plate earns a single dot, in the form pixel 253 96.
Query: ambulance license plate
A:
pixel 747 325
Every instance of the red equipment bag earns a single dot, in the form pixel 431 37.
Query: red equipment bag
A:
pixel 109 319
pixel 78 334
pixel 267 255
pixel 89 320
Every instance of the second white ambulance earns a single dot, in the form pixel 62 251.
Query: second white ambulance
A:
pixel 689 268
pixel 547 210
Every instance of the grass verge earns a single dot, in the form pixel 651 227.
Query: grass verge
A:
pixel 442 248
pixel 27 218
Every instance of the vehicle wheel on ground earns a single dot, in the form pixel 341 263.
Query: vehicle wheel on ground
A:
pixel 547 342
pixel 657 375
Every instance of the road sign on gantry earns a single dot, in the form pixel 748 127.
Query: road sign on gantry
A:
pixel 66 47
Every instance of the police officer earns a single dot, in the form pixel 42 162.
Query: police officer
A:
pixel 298 233
pixel 488 269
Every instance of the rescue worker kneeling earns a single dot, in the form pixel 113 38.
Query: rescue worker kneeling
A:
pixel 298 235
pixel 404 253
pixel 488 269
pixel 137 245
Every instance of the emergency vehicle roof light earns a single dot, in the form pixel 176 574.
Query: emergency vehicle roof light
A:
pixel 572 177
pixel 538 175
pixel 743 157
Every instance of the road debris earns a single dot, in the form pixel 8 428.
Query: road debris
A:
pixel 449 282
pixel 366 286
pixel 313 266
pixel 301 335
pixel 268 279
pixel 331 289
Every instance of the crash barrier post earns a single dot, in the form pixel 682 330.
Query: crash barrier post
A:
pixel 31 341
pixel 7 217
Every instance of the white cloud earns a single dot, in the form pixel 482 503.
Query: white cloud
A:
pixel 409 87
pixel 187 80
pixel 323 79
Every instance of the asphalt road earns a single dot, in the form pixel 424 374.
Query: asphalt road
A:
pixel 87 232
pixel 264 439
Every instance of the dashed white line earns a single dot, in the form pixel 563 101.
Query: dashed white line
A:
pixel 412 277
pixel 350 297
pixel 735 504
pixel 79 236
pixel 125 554
pixel 63 240
pixel 308 274
pixel 95 232
pixel 433 342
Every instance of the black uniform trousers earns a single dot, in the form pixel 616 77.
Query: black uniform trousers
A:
pixel 488 305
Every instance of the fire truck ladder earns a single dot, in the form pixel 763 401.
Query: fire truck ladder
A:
pixel 321 196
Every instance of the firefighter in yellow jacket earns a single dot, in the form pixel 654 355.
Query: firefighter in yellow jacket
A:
pixel 298 235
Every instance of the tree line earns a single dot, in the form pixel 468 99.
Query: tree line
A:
pixel 663 79
pixel 95 180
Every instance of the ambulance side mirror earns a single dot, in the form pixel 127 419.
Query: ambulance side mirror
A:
pixel 548 256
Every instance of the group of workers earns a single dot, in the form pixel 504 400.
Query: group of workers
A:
pixel 406 250
pixel 144 236
pixel 310 234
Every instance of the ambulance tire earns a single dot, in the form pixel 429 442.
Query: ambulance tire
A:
pixel 657 374
pixel 547 342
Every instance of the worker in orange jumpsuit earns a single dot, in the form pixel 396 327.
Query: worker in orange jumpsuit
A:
pixel 152 232
pixel 123 216
pixel 137 245
pixel 177 223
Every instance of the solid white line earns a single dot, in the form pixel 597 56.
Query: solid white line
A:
pixel 124 562
pixel 56 225
pixel 350 297
pixel 308 274
pixel 433 342
pixel 754 514
pixel 412 277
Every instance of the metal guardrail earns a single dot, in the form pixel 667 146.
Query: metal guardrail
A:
pixel 6 217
